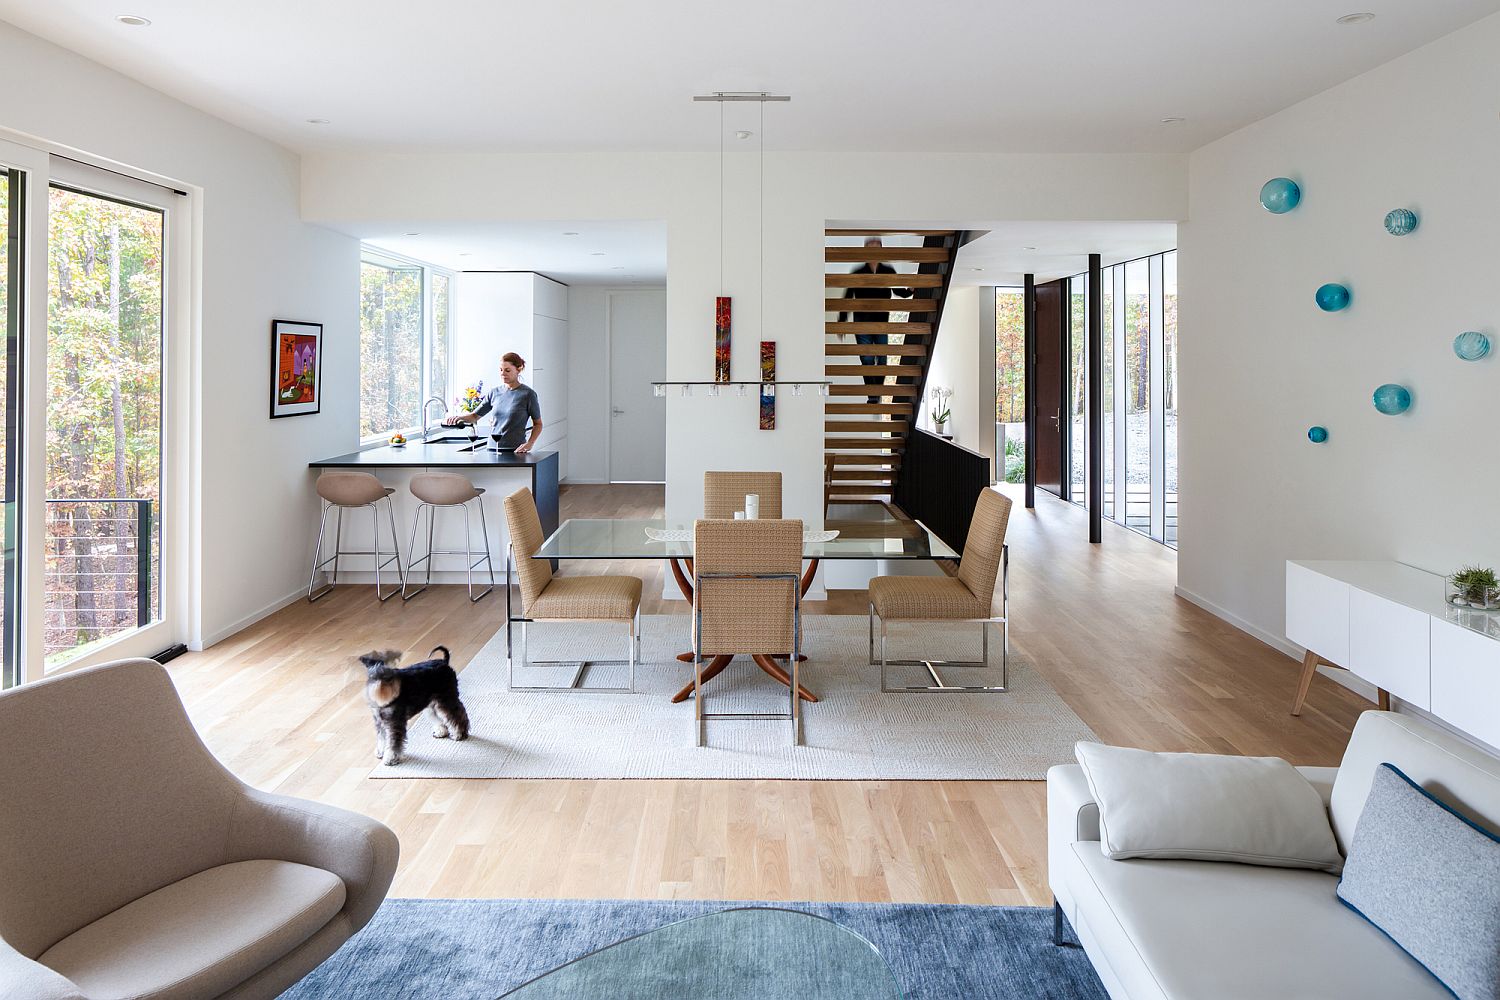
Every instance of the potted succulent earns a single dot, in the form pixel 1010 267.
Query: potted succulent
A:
pixel 1474 587
pixel 940 412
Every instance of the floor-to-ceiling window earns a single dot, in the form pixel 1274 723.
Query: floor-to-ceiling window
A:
pixel 104 418
pixel 12 255
pixel 404 340
pixel 1139 361
pixel 1010 383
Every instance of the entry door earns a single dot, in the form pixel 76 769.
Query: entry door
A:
pixel 1051 376
pixel 637 357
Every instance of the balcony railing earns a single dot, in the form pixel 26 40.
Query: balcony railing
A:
pixel 100 570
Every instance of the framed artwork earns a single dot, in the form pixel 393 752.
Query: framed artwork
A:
pixel 721 338
pixel 296 368
pixel 768 385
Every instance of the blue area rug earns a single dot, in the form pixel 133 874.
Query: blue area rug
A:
pixel 477 949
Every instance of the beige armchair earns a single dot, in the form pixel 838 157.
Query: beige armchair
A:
pixel 967 597
pixel 747 599
pixel 134 865
pixel 545 598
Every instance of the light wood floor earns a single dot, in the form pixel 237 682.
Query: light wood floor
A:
pixel 281 704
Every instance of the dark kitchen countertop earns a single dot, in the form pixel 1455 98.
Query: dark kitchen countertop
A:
pixel 419 455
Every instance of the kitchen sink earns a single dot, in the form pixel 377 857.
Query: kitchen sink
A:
pixel 451 439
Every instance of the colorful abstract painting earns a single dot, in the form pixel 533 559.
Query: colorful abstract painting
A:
pixel 768 388
pixel 721 339
pixel 296 358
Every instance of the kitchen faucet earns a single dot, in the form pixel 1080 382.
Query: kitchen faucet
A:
pixel 434 399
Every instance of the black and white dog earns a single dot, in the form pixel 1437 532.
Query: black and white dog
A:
pixel 396 694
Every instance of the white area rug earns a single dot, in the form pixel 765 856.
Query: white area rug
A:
pixel 853 733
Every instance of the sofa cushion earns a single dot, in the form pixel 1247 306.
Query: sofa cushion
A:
pixel 1199 929
pixel 200 936
pixel 1431 880
pixel 1465 777
pixel 1208 807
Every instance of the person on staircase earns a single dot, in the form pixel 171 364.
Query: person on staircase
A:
pixel 875 267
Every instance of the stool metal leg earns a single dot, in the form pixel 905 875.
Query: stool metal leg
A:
pixel 467 552
pixel 317 553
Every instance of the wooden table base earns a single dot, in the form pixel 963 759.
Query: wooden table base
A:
pixel 766 661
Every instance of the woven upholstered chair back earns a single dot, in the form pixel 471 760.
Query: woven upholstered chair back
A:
pixel 746 616
pixel 980 565
pixel 526 537
pixel 724 493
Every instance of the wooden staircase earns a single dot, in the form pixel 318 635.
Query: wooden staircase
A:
pixel 863 441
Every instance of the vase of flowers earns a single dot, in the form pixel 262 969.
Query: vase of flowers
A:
pixel 940 394
pixel 468 401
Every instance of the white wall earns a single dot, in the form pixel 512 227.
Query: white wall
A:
pixel 358 192
pixel 259 261
pixel 960 363
pixel 1260 363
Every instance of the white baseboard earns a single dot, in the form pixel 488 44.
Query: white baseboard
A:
pixel 1343 678
pixel 1274 641
pixel 204 642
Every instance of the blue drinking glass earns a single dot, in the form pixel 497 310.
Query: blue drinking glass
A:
pixel 1471 346
pixel 1332 297
pixel 1400 221
pixel 1392 399
pixel 1317 435
pixel 1280 195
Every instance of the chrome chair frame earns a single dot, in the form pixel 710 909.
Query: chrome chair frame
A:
pixel 938 684
pixel 575 685
pixel 794 714
pixel 338 536
pixel 467 553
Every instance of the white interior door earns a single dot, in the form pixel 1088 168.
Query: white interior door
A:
pixel 637 357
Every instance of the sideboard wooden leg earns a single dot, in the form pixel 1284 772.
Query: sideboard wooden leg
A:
pixel 1309 668
pixel 1383 699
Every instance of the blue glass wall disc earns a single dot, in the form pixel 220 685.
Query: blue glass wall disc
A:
pixel 1317 435
pixel 1280 195
pixel 1332 297
pixel 1471 346
pixel 1392 399
pixel 1400 221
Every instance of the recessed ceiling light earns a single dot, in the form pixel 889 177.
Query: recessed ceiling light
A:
pixel 133 20
pixel 1173 120
pixel 411 234
pixel 316 121
pixel 596 253
pixel 976 269
pixel 570 234
pixel 743 134
pixel 617 267
pixel 1359 18
pixel 1028 248
pixel 465 253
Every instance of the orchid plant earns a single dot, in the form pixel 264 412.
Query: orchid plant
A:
pixel 940 394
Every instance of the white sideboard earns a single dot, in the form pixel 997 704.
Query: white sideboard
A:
pixel 1391 625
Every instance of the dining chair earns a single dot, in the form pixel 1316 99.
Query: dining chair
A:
pixel 724 493
pixel 747 600
pixel 966 597
pixel 548 598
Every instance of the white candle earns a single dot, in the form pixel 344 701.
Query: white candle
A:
pixel 752 506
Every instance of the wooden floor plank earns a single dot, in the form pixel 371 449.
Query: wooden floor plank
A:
pixel 281 704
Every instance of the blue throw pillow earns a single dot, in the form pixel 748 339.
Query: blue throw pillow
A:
pixel 1430 879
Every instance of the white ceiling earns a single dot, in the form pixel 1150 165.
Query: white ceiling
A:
pixel 614 252
pixel 1001 257
pixel 1000 75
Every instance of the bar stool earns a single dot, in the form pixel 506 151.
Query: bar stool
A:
pixel 446 489
pixel 342 490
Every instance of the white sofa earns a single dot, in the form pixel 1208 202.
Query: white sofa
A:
pixel 1201 929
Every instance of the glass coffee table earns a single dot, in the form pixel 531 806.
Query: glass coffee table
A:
pixel 753 953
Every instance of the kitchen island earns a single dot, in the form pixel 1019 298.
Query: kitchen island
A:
pixel 498 473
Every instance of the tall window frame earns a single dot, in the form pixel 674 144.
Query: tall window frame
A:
pixel 435 333
pixel 43 168
pixel 1149 367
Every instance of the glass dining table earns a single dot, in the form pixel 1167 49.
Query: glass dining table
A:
pixel 862 531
